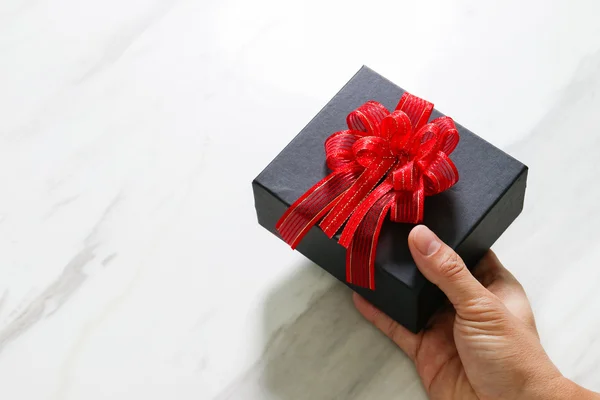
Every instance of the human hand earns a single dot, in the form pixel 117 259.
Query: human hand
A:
pixel 484 347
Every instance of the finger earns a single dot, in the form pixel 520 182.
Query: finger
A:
pixel 490 270
pixel 498 280
pixel 444 268
pixel 406 340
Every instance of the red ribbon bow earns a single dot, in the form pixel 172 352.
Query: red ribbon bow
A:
pixel 385 161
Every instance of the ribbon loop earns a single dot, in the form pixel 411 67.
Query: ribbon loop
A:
pixel 396 128
pixel 338 149
pixel 370 149
pixel 440 175
pixel 417 109
pixel 367 118
pixel 429 139
pixel 448 132
pixel 384 162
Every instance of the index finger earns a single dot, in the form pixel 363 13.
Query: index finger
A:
pixel 405 339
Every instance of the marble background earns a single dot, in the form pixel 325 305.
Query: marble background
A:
pixel 131 263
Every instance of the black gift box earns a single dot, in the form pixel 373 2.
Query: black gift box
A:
pixel 469 217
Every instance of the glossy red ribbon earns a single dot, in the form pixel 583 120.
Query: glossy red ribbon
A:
pixel 383 162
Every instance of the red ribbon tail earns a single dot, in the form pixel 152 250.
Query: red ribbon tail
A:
pixel 360 256
pixel 408 206
pixel 361 211
pixel 354 196
pixel 314 204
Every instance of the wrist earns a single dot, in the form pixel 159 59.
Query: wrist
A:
pixel 561 388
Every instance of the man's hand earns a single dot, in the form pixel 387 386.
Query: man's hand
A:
pixel 484 346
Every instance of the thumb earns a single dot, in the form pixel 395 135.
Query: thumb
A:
pixel 444 268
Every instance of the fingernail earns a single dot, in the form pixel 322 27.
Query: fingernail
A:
pixel 425 241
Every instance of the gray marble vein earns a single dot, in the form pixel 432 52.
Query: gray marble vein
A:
pixel 49 301
pixel 58 292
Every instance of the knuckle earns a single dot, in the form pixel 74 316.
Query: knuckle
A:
pixel 374 315
pixel 391 329
pixel 386 325
pixel 484 310
pixel 451 265
pixel 482 304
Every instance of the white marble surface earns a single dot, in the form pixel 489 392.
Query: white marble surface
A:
pixel 131 264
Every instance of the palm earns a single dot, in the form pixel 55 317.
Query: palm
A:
pixel 437 361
